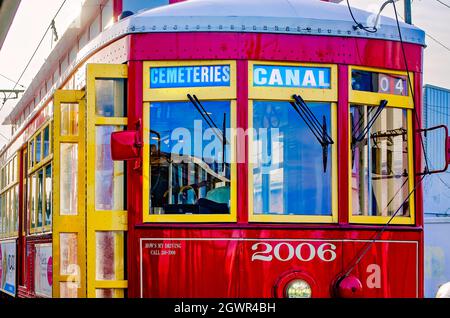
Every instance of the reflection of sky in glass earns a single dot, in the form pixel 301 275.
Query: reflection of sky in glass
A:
pixel 288 171
pixel 182 130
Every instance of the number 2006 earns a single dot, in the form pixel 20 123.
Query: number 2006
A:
pixel 284 252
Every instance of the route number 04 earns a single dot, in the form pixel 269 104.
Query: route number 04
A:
pixel 284 252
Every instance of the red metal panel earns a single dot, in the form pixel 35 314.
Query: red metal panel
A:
pixel 242 122
pixel 277 47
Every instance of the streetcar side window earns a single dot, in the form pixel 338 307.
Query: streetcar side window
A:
pixel 110 97
pixel 190 159
pixel 380 169
pixel 9 200
pixel 289 177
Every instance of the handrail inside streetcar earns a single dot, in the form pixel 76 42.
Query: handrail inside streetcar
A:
pixel 318 130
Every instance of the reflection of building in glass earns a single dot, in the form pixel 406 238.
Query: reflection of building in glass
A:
pixel 436 192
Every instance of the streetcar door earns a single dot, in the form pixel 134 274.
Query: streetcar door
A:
pixel 106 214
pixel 69 243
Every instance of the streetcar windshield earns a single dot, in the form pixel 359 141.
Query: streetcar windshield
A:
pixel 288 172
pixel 380 163
pixel 189 160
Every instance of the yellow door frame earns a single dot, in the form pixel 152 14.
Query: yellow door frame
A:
pixel 99 221
pixel 72 224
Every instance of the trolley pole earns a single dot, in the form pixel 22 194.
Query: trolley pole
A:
pixel 408 15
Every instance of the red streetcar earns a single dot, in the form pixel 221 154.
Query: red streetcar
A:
pixel 219 149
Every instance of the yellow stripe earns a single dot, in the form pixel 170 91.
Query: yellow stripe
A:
pixel 179 94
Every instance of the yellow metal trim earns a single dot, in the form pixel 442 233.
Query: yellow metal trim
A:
pixel 333 218
pixel 69 224
pixel 285 93
pixel 370 98
pixel 102 220
pixel 179 94
pixel 406 220
pixel 174 218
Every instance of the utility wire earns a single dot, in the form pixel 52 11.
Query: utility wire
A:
pixel 429 35
pixel 443 182
pixel 34 53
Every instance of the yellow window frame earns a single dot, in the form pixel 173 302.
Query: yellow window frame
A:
pixel 180 95
pixel 394 101
pixel 371 98
pixel 103 221
pixel 34 169
pixel 285 94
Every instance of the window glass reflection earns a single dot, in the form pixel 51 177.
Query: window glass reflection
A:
pixel 137 5
pixel 288 173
